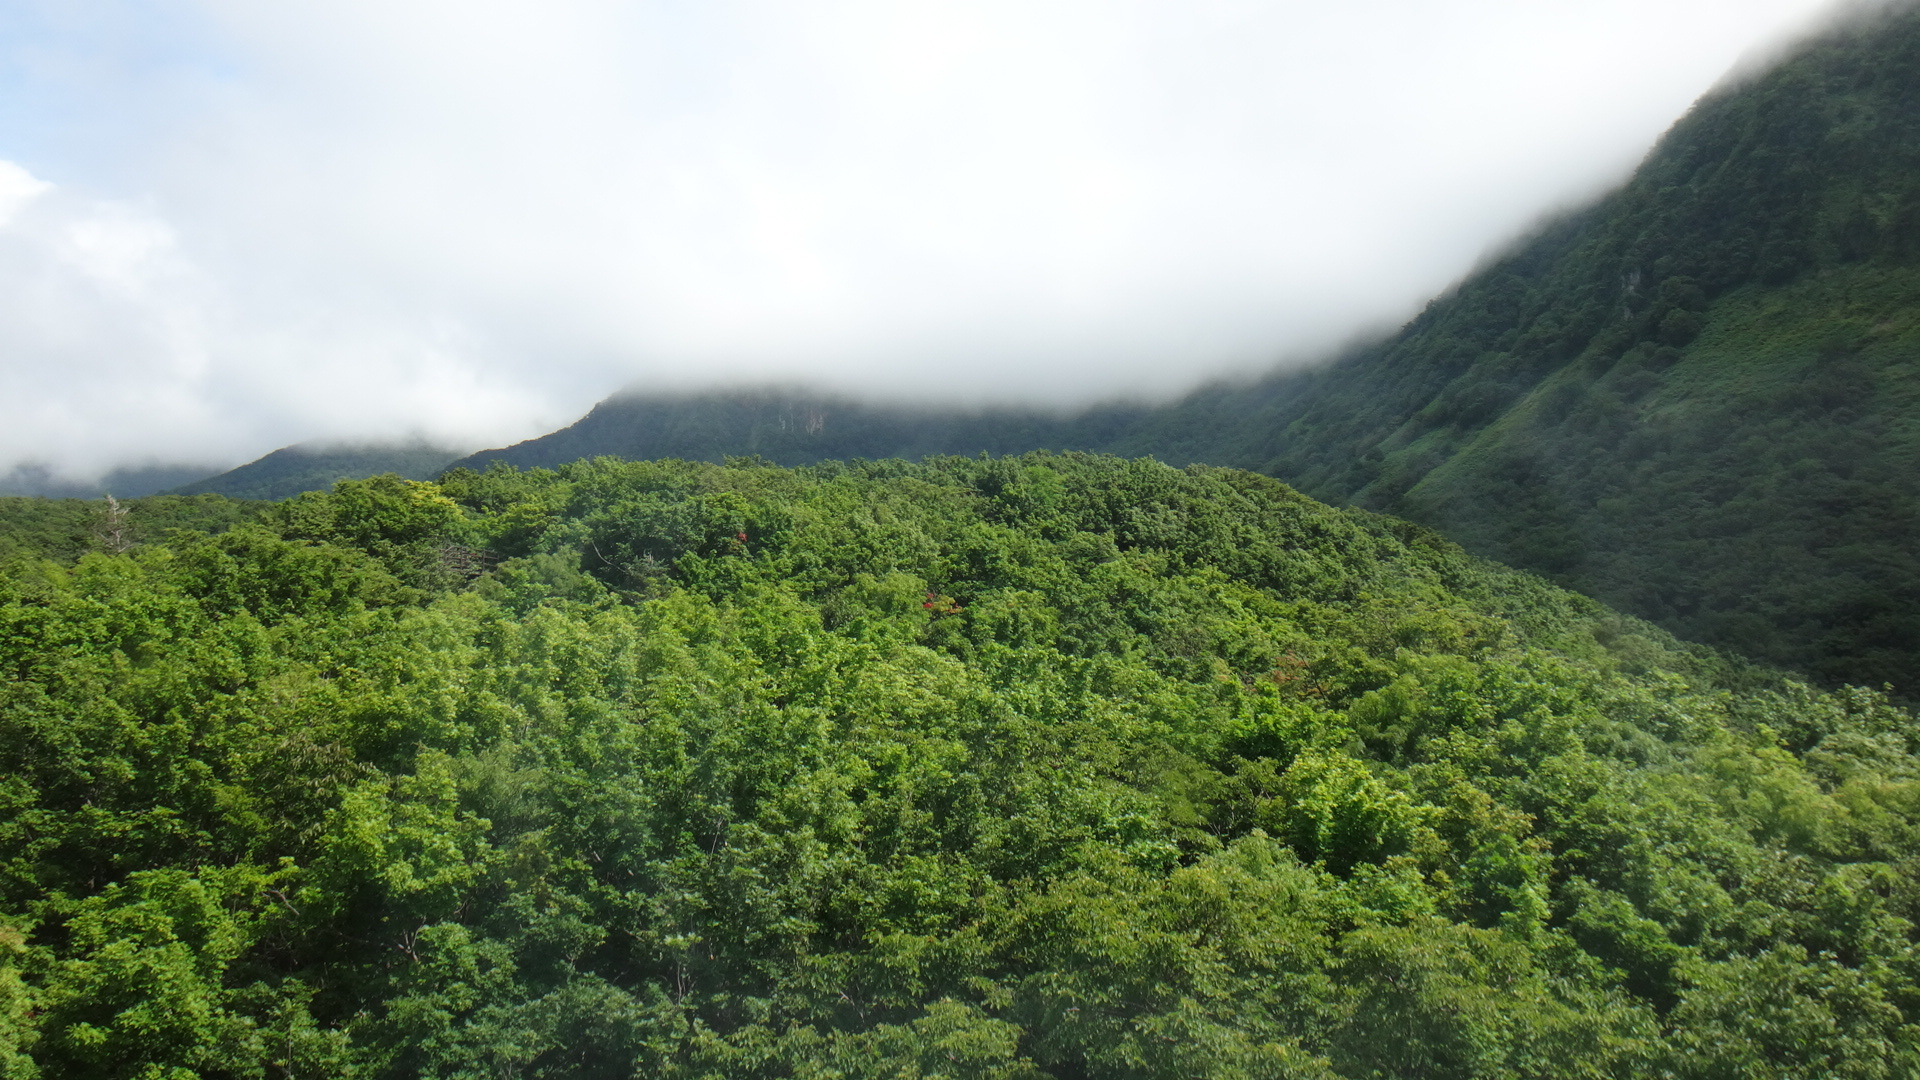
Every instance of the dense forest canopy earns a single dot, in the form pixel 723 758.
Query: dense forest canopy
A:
pixel 65 529
pixel 1052 766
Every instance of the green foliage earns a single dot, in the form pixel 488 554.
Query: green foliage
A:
pixel 406 525
pixel 17 1027
pixel 65 529
pixel 1056 766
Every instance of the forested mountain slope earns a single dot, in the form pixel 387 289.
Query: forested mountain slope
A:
pixel 1698 400
pixel 794 426
pixel 293 470
pixel 1037 767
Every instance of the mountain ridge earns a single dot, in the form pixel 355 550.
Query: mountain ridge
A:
pixel 791 425
pixel 33 479
pixel 303 467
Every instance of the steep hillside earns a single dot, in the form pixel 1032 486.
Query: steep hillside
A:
pixel 295 469
pixel 1699 400
pixel 1760 492
pixel 1043 767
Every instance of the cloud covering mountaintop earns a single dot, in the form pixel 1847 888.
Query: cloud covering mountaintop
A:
pixel 228 227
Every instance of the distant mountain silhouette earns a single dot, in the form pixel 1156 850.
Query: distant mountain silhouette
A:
pixel 800 427
pixel 294 469
pixel 123 483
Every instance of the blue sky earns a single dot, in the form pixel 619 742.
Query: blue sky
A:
pixel 77 81
pixel 230 226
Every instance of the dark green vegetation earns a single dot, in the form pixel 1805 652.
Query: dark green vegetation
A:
pixel 1698 400
pixel 294 470
pixel 65 529
pixel 801 427
pixel 1051 766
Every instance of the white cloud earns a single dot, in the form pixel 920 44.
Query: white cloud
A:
pixel 471 219
pixel 18 187
pixel 119 350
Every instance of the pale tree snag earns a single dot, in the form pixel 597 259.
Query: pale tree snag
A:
pixel 112 532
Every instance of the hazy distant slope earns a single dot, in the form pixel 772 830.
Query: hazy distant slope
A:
pixel 800 427
pixel 126 483
pixel 289 471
